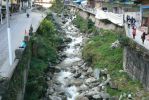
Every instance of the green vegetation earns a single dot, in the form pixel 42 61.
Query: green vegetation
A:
pixel 98 53
pixel 57 6
pixel 98 49
pixel 44 50
pixel 86 26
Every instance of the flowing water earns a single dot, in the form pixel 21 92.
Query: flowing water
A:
pixel 73 53
pixel 74 79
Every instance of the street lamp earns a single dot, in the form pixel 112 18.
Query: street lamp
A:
pixel 8 33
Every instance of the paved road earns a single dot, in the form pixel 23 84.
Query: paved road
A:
pixel 19 23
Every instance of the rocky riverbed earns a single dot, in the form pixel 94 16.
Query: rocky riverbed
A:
pixel 72 79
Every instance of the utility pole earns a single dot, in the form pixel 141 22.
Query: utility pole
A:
pixel 8 32
pixel 20 5
pixel 1 12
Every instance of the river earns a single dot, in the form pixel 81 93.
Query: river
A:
pixel 72 79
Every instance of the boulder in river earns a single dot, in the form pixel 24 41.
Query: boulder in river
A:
pixel 81 98
pixel 104 95
pixel 97 97
pixel 68 40
pixel 113 85
pixel 77 75
pixel 90 80
pixel 76 82
pixel 90 70
pixel 54 98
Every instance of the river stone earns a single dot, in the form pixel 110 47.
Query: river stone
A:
pixel 90 80
pixel 83 87
pixel 48 78
pixel 82 77
pixel 77 75
pixel 83 65
pixel 54 98
pixel 97 73
pixel 91 93
pixel 56 88
pixel 104 71
pixel 104 95
pixel 61 47
pixel 68 40
pixel 78 44
pixel 76 82
pixel 90 70
pixel 81 98
pixel 69 28
pixel 61 93
pixel 129 96
pixel 53 69
pixel 50 91
pixel 96 97
pixel 96 89
pixel 114 98
pixel 73 70
pixel 113 85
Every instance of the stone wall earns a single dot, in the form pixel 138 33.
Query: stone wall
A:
pixel 100 24
pixel 136 63
pixel 14 88
pixel 83 14
pixel 92 17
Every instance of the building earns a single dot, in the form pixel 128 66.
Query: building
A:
pixel 15 4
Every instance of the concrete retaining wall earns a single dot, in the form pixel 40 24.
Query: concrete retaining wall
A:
pixel 14 87
pixel 136 64
pixel 100 24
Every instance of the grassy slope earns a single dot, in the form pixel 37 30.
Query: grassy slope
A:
pixel 98 53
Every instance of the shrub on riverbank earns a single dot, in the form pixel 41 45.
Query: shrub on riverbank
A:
pixel 86 26
pixel 44 50
pixel 98 53
pixel 57 6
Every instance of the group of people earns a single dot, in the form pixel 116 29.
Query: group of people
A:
pixel 131 22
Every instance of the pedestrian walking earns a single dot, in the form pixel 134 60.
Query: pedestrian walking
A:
pixel 129 23
pixel 27 15
pixel 127 18
pixel 133 32
pixel 133 21
pixel 143 37
pixel 31 31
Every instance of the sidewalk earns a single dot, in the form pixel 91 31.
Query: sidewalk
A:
pixel 19 23
pixel 11 18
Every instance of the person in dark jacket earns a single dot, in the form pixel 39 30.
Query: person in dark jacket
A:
pixel 133 32
pixel 27 15
pixel 143 37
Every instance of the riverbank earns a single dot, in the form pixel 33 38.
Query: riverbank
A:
pixel 99 53
pixel 44 47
